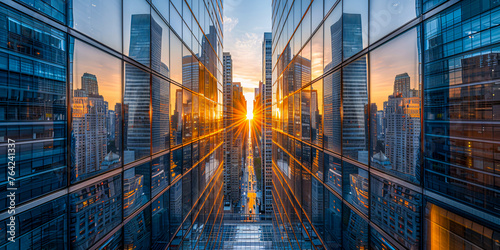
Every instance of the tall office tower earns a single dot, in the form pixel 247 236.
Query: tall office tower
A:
pixel 266 125
pixel 228 121
pixel 376 179
pixel 236 136
pixel 92 93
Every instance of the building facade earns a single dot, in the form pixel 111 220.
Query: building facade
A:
pixel 266 204
pixel 115 110
pixel 384 120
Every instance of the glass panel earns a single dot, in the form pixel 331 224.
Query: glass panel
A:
pixel 355 26
pixel 333 39
pixel 138 231
pixel 306 114
pixel 447 229
pixel 297 115
pixel 100 20
pixel 175 58
pixel 96 112
pixel 175 115
pixel 136 30
pixel 333 220
pixel 51 217
pixel 355 186
pixel 396 209
pixel 159 174
pixel 316 13
pixel 386 16
pixel 379 242
pixel 333 172
pixel 354 229
pixel 136 121
pixel 53 8
pixel 175 207
pixel 136 188
pixel 95 211
pixel 317 54
pixel 187 118
pixel 333 127
pixel 160 102
pixel 161 221
pixel 395 107
pixel 354 103
pixel 176 164
pixel 160 49
pixel 317 113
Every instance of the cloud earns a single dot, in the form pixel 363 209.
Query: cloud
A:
pixel 246 51
pixel 229 24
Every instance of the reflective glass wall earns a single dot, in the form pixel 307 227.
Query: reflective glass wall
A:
pixel 385 132
pixel 114 109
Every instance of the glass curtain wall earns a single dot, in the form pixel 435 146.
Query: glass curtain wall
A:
pixel 385 132
pixel 108 105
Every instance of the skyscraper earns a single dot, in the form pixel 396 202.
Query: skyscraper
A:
pixel 266 125
pixel 89 107
pixel 408 144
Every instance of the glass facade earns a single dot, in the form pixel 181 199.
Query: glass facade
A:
pixel 385 132
pixel 115 108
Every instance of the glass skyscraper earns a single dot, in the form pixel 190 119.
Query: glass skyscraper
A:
pixel 115 108
pixel 385 132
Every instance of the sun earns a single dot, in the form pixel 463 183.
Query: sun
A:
pixel 249 116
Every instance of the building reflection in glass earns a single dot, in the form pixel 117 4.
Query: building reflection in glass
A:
pixel 354 100
pixel 95 211
pixel 355 186
pixel 396 209
pixel 395 95
pixel 95 145
pixel 136 188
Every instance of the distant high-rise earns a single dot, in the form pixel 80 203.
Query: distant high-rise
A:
pixel 90 128
pixel 266 125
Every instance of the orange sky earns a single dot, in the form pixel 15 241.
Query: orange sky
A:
pixel 106 68
pixel 396 57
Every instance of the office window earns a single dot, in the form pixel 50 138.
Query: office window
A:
pixel 354 230
pixel 160 47
pixel 137 134
pixel 96 106
pixel 333 39
pixel 355 27
pixel 137 231
pixel 160 211
pixel 394 111
pixel 333 221
pixel 95 210
pixel 332 100
pixel 333 172
pixel 385 16
pixel 159 174
pixel 396 209
pixel 136 188
pixel 137 31
pixel 355 185
pixel 354 104
pixel 160 95
pixel 99 19
pixel 175 164
pixel 317 110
